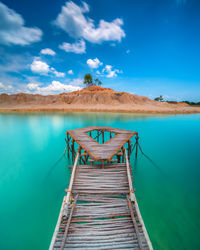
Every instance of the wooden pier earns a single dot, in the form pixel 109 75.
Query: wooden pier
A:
pixel 100 210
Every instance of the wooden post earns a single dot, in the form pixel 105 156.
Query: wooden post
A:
pixel 72 149
pixel 123 155
pixel 68 144
pixel 79 150
pixel 85 157
pixel 118 158
pixel 129 149
pixel 136 151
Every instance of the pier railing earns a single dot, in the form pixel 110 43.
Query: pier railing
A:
pixel 133 199
pixel 65 204
pixel 103 194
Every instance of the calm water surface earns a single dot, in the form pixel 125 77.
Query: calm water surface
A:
pixel 32 187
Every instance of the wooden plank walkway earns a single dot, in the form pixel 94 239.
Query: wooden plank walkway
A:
pixel 100 210
pixel 104 151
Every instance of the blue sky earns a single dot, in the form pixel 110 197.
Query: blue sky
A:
pixel 145 47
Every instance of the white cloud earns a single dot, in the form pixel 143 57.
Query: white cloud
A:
pixel 39 67
pixel 48 51
pixel 78 47
pixel 33 86
pixel 94 64
pixel 4 88
pixel 54 88
pixel 43 68
pixel 110 71
pixel 56 73
pixel 72 20
pixel 59 74
pixel 13 31
pixel 70 72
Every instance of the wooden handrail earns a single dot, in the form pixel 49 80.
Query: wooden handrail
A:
pixel 68 224
pixel 69 190
pixel 129 177
pixel 135 224
pixel 64 207
pixel 133 199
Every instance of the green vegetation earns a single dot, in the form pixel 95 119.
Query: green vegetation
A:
pixel 159 99
pixel 192 103
pixel 88 80
pixel 97 82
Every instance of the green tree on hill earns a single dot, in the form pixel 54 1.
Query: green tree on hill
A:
pixel 88 80
pixel 159 99
pixel 97 82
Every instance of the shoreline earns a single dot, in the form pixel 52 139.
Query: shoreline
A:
pixel 142 110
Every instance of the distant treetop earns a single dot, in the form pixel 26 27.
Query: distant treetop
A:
pixel 159 99
pixel 88 80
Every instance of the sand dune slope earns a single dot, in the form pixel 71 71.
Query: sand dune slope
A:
pixel 93 98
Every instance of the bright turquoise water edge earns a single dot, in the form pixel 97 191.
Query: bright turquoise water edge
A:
pixel 31 190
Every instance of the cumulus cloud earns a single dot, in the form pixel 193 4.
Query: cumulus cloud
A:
pixel 78 47
pixel 70 72
pixel 59 74
pixel 72 20
pixel 39 67
pixel 4 88
pixel 13 31
pixel 110 72
pixel 33 86
pixel 48 51
pixel 54 88
pixel 42 68
pixel 56 73
pixel 94 63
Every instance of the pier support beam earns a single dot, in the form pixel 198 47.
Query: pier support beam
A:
pixel 136 151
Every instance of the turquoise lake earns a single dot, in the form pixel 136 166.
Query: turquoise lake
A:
pixel 33 180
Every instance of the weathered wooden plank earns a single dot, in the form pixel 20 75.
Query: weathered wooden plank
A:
pixel 101 151
pixel 102 218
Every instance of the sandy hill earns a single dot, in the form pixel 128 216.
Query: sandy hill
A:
pixel 86 96
pixel 91 98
